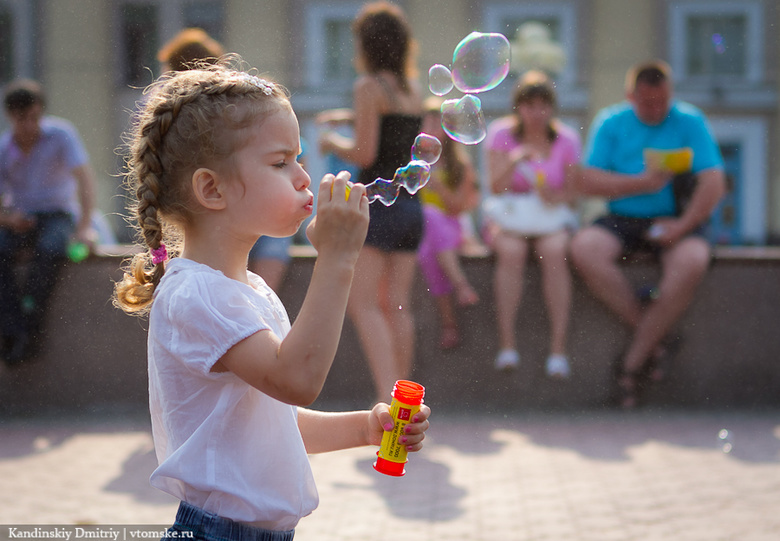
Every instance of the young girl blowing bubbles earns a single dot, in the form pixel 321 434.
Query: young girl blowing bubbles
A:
pixel 213 167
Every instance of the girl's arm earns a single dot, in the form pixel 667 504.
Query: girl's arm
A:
pixel 323 432
pixel 293 370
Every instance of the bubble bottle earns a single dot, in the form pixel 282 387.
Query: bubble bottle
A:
pixel 391 457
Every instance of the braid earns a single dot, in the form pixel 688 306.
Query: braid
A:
pixel 191 118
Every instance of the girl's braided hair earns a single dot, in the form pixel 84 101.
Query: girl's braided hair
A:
pixel 190 119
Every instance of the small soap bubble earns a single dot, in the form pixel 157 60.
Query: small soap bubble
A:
pixel 440 80
pixel 480 62
pixel 426 148
pixel 725 440
pixel 463 119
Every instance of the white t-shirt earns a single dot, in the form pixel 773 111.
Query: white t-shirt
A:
pixel 222 445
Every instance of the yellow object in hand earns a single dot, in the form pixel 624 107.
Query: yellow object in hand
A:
pixel 346 195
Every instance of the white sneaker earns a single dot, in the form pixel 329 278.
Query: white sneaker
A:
pixel 558 366
pixel 507 359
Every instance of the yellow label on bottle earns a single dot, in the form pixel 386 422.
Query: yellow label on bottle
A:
pixel 391 449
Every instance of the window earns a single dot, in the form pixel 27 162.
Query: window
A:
pixel 6 44
pixel 328 49
pixel 717 41
pixel 139 38
pixel 144 25
pixel 559 18
pixel 205 14
pixel 716 45
pixel 742 215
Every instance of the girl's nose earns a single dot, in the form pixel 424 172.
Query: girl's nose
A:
pixel 303 180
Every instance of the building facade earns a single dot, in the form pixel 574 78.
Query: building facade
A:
pixel 95 56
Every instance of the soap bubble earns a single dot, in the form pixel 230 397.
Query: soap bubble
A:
pixel 426 148
pixel 463 119
pixel 386 191
pixel 480 62
pixel 726 440
pixel 439 79
pixel 413 175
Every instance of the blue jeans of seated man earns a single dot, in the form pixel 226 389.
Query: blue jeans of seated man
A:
pixel 23 306
pixel 195 524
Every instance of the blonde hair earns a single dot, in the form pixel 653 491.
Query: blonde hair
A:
pixel 191 119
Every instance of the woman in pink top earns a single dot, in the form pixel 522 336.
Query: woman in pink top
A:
pixel 532 143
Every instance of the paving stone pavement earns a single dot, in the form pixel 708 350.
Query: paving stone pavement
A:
pixel 598 476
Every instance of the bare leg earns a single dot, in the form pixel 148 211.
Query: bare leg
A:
pixel 382 314
pixel 595 252
pixel 399 279
pixel 365 310
pixel 683 267
pixel 450 264
pixel 448 321
pixel 511 252
pixel 556 278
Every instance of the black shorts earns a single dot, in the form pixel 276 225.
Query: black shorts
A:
pixel 632 233
pixel 397 228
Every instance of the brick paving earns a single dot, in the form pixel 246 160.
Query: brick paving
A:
pixel 507 476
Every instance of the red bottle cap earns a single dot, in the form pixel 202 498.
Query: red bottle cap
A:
pixel 408 392
pixel 388 467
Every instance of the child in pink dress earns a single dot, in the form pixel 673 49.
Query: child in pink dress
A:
pixel 451 191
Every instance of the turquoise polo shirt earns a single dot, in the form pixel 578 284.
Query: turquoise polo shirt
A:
pixel 617 141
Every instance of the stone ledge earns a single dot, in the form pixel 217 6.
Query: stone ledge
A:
pixel 94 356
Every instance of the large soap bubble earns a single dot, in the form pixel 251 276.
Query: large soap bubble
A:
pixel 463 119
pixel 480 62
pixel 439 79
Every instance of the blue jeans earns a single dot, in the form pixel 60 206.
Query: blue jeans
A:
pixel 48 241
pixel 195 523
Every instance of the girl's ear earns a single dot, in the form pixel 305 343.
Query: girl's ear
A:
pixel 207 187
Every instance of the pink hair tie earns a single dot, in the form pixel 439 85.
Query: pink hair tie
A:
pixel 159 254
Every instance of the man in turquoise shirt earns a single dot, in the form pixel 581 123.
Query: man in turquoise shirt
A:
pixel 643 214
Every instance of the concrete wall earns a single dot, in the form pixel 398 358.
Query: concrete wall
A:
pixel 94 356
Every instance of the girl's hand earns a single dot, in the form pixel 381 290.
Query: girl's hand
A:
pixel 380 421
pixel 341 223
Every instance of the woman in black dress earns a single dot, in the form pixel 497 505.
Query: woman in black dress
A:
pixel 387 113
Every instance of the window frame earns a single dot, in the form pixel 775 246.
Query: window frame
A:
pixel 314 46
pixel 571 94
pixel 751 134
pixel 681 12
